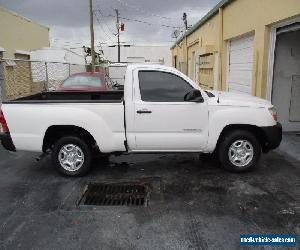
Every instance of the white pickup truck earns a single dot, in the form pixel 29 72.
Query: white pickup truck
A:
pixel 160 110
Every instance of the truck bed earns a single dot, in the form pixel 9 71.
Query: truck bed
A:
pixel 72 97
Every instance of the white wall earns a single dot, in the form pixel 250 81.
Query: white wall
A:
pixel 140 54
pixel 136 53
pixel 57 55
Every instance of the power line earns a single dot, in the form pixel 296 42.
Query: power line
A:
pixel 144 12
pixel 107 34
pixel 148 23
pixel 102 15
pixel 102 26
pixel 144 22
pixel 105 24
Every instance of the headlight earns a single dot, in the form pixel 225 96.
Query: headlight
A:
pixel 273 113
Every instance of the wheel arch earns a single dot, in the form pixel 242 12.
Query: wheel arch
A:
pixel 255 130
pixel 54 132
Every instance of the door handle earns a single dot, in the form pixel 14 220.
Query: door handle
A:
pixel 144 111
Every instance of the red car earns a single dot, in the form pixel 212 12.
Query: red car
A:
pixel 86 81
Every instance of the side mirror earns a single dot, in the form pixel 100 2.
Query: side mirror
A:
pixel 193 96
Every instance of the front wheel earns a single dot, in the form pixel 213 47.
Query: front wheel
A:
pixel 71 156
pixel 239 151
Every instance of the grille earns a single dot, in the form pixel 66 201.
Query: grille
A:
pixel 116 194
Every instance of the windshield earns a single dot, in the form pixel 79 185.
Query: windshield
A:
pixel 80 80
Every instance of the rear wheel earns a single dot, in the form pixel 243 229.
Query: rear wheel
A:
pixel 71 156
pixel 239 151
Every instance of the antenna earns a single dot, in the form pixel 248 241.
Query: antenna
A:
pixel 175 34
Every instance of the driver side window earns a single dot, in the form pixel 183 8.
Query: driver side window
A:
pixel 158 86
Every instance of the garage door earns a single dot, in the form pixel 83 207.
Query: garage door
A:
pixel 286 80
pixel 240 66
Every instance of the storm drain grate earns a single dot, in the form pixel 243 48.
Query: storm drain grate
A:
pixel 115 194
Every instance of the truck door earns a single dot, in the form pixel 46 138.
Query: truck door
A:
pixel 163 120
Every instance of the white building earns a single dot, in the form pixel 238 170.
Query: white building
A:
pixel 135 53
pixel 52 54
pixel 139 54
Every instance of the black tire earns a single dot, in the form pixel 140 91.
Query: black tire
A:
pixel 79 143
pixel 234 137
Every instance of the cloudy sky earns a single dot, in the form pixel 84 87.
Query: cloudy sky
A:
pixel 148 19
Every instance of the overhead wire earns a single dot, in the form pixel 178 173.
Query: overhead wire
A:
pixel 98 11
pixel 141 21
pixel 144 12
pixel 109 37
pixel 148 23
pixel 102 15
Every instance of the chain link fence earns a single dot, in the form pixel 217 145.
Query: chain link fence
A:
pixel 20 78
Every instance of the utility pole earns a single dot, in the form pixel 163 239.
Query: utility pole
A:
pixel 118 33
pixel 92 35
pixel 184 18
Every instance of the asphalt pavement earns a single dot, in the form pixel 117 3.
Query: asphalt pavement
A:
pixel 193 203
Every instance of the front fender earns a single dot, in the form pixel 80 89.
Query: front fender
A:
pixel 222 116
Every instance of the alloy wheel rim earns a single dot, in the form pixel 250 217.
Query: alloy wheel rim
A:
pixel 241 153
pixel 71 157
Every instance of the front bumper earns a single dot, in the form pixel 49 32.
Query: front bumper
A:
pixel 7 142
pixel 273 136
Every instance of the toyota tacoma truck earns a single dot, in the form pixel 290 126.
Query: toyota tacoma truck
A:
pixel 160 110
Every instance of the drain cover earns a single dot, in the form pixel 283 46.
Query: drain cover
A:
pixel 115 194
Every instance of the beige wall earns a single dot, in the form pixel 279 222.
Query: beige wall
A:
pixel 19 33
pixel 236 19
pixel 208 36
pixel 257 16
pixel 196 44
pixel 181 52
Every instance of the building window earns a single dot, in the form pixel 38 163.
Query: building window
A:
pixel 22 56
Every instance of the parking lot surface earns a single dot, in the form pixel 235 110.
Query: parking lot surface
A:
pixel 193 204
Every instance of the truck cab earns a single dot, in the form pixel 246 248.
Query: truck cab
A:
pixel 165 111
